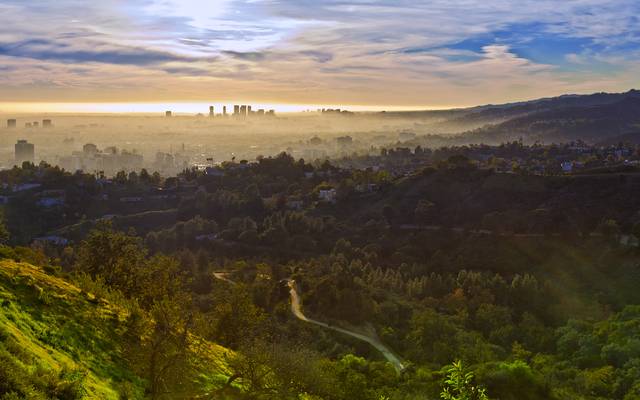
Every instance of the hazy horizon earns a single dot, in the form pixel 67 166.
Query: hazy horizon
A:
pixel 190 108
pixel 193 108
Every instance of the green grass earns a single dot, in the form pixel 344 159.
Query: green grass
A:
pixel 59 328
pixel 57 341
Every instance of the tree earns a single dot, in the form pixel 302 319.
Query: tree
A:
pixel 234 317
pixel 279 371
pixel 116 256
pixel 4 232
pixel 158 346
pixel 459 385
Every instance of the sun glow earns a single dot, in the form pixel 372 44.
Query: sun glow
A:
pixel 185 107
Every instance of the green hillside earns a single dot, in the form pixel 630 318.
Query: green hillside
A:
pixel 57 341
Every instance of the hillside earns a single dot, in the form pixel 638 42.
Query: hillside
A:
pixel 57 341
pixel 522 204
pixel 591 123
pixel 556 118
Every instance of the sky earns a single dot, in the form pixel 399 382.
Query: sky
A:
pixel 299 53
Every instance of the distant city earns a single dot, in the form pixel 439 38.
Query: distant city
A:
pixel 110 160
pixel 239 111
pixel 172 142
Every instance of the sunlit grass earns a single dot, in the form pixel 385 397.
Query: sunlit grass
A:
pixel 54 326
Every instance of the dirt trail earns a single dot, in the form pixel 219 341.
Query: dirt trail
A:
pixel 296 309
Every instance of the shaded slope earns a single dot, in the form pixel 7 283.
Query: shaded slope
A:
pixel 590 123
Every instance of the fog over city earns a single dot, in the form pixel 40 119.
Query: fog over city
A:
pixel 169 143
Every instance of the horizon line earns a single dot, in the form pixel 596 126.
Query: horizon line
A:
pixel 192 108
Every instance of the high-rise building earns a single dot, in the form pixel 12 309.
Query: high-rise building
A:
pixel 168 113
pixel 243 111
pixel 11 123
pixel 224 111
pixel 24 151
pixel 46 123
pixel 90 149
pixel 236 110
pixel 211 112
pixel 248 110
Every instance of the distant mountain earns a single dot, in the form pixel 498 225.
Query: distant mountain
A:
pixel 492 114
pixel 582 120
pixel 591 117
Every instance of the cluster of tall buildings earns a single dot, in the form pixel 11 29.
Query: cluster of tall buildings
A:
pixel 239 111
pixel 13 123
pixel 109 160
pixel 171 163
pixel 333 111
pixel 243 111
pixel 24 152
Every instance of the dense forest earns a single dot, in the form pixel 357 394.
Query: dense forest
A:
pixel 451 282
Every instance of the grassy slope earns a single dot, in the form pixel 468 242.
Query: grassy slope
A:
pixel 55 326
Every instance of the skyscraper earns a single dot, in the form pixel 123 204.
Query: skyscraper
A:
pixel 243 111
pixel 236 110
pixel 11 123
pixel 211 112
pixel 224 111
pixel 46 123
pixel 248 110
pixel 90 149
pixel 24 151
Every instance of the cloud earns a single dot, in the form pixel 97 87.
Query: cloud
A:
pixel 42 49
pixel 364 51
pixel 245 56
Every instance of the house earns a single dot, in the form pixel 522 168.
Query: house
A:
pixel 328 195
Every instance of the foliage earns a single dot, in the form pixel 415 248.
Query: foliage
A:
pixel 459 384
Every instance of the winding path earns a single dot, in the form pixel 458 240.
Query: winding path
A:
pixel 296 309
pixel 223 276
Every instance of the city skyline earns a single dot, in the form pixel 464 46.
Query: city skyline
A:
pixel 290 55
